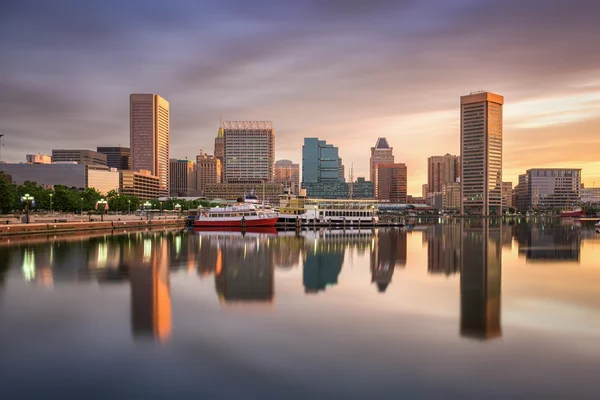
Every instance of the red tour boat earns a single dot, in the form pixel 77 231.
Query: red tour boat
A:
pixel 573 213
pixel 238 216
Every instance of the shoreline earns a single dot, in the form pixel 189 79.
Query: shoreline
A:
pixel 13 230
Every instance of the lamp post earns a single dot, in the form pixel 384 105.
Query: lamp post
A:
pixel 147 206
pixel 161 208
pixel 81 204
pixel 178 208
pixel 51 210
pixel 129 206
pixel 103 204
pixel 27 199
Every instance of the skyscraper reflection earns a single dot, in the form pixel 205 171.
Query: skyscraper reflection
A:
pixel 150 293
pixel 245 268
pixel 480 279
pixel 443 248
pixel 389 250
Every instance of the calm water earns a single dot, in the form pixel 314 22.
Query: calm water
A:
pixel 432 311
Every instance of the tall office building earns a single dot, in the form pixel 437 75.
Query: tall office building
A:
pixel 149 136
pixel 116 157
pixel 481 153
pixel 288 174
pixel 321 170
pixel 182 177
pixel 208 171
pixel 219 150
pixel 341 169
pixel 442 170
pixel 381 153
pixel 88 157
pixel 391 183
pixel 249 151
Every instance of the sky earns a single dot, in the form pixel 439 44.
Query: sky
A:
pixel 345 71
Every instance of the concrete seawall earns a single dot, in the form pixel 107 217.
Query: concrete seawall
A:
pixel 59 228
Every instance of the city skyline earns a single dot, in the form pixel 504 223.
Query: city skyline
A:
pixel 343 81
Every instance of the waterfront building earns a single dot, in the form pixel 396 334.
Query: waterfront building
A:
pixel 391 182
pixel 451 196
pixel 321 170
pixel 381 153
pixel 182 176
pixel 341 169
pixel 442 170
pixel 149 136
pixel 38 158
pixel 208 171
pixel 590 196
pixel 78 156
pixel 140 183
pixel 69 174
pixel 116 157
pixel 233 191
pixel 425 191
pixel 361 189
pixel 507 195
pixel 288 174
pixel 550 188
pixel 249 152
pixel 481 153
pixel 523 193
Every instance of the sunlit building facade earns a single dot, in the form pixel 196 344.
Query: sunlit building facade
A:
pixel 481 153
pixel 208 171
pixel 381 153
pixel 79 156
pixel 550 188
pixel 442 170
pixel 141 184
pixel 149 136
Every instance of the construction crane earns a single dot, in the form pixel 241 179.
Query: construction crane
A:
pixel 1 145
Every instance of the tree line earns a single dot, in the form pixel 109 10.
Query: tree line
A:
pixel 73 200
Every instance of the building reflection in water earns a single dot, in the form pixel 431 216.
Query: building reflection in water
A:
pixel 480 279
pixel 388 251
pixel 244 268
pixel 548 242
pixel 150 292
pixel 443 248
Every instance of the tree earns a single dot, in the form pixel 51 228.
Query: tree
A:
pixel 8 195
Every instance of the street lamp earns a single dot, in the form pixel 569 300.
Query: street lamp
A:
pixel 51 194
pixel 178 207
pixel 81 212
pixel 104 206
pixel 129 206
pixel 147 206
pixel 27 199
pixel 161 208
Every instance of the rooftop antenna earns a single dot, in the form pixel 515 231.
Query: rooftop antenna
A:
pixel 351 181
pixel 1 145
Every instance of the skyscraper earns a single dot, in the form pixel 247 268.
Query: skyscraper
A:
pixel 288 174
pixel 116 157
pixel 381 153
pixel 321 170
pixel 481 153
pixel 249 151
pixel 220 149
pixel 391 182
pixel 149 136
pixel 442 170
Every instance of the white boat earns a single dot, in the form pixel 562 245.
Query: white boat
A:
pixel 237 216
pixel 597 224
pixel 327 211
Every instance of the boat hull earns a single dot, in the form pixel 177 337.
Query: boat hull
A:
pixel 572 214
pixel 234 222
